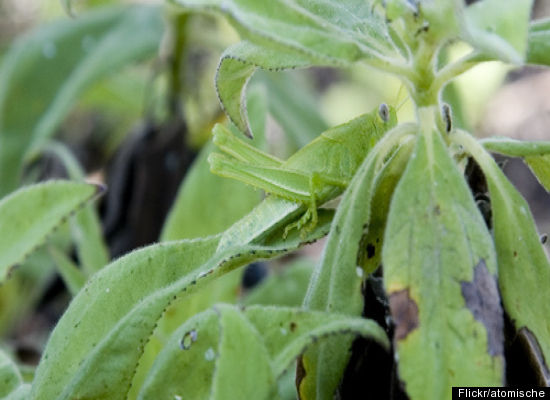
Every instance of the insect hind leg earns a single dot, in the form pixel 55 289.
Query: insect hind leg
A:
pixel 231 145
pixel 309 220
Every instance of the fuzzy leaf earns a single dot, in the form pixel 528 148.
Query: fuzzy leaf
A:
pixel 100 338
pixel 523 267
pixel 85 226
pixel 293 104
pixel 370 250
pixel 10 377
pixel 73 277
pixel 443 16
pixel 243 356
pixel 293 34
pixel 21 393
pixel 535 154
pixel 540 165
pixel 28 215
pixel 439 273
pixel 499 28
pixel 252 347
pixel 12 385
pixel 336 284
pixel 54 65
pixel 341 32
pixel 198 210
pixel 238 64
pixel 287 332
pixel 515 148
pixel 538 49
pixel 284 288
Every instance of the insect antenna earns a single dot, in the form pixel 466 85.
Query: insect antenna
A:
pixel 398 96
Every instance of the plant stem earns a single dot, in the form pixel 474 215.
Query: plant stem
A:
pixel 451 71
pixel 397 68
pixel 177 57
pixel 476 150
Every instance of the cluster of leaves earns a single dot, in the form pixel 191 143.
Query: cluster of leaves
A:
pixel 138 327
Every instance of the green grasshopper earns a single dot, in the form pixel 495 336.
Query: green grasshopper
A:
pixel 315 174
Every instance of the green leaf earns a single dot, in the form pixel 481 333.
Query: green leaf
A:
pixel 341 32
pixel 252 347
pixel 538 46
pixel 185 366
pixel 535 154
pixel 283 34
pixel 95 348
pixel 515 148
pixel 223 289
pixel 336 285
pixel 21 393
pixel 10 377
pixel 268 218
pixel 287 332
pixel 499 28
pixel 523 266
pixel 443 16
pixel 285 288
pixel 293 106
pixel 206 203
pixel 85 226
pixel 197 210
pixel 28 215
pixel 238 64
pixel 73 278
pixel 12 385
pixel 439 273
pixel 243 355
pixel 222 202
pixel 54 65
pixel 540 165
pixel 370 249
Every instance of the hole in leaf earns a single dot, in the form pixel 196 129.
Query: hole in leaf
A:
pixel 188 339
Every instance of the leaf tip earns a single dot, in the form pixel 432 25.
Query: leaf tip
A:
pixel 100 188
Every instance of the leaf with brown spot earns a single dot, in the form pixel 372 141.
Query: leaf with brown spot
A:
pixel 427 259
pixel 483 300
pixel 336 285
pixel 405 313
pixel 523 267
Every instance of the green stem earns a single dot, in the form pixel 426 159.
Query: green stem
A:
pixel 451 71
pixel 177 61
pixel 476 150
pixel 393 67
pixel 73 277
pixel 423 77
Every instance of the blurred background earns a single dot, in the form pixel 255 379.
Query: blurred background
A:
pixel 122 93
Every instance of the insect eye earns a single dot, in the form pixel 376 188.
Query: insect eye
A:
pixel 384 112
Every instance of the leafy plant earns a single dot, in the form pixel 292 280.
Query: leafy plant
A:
pixel 425 210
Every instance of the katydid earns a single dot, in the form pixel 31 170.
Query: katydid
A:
pixel 315 174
